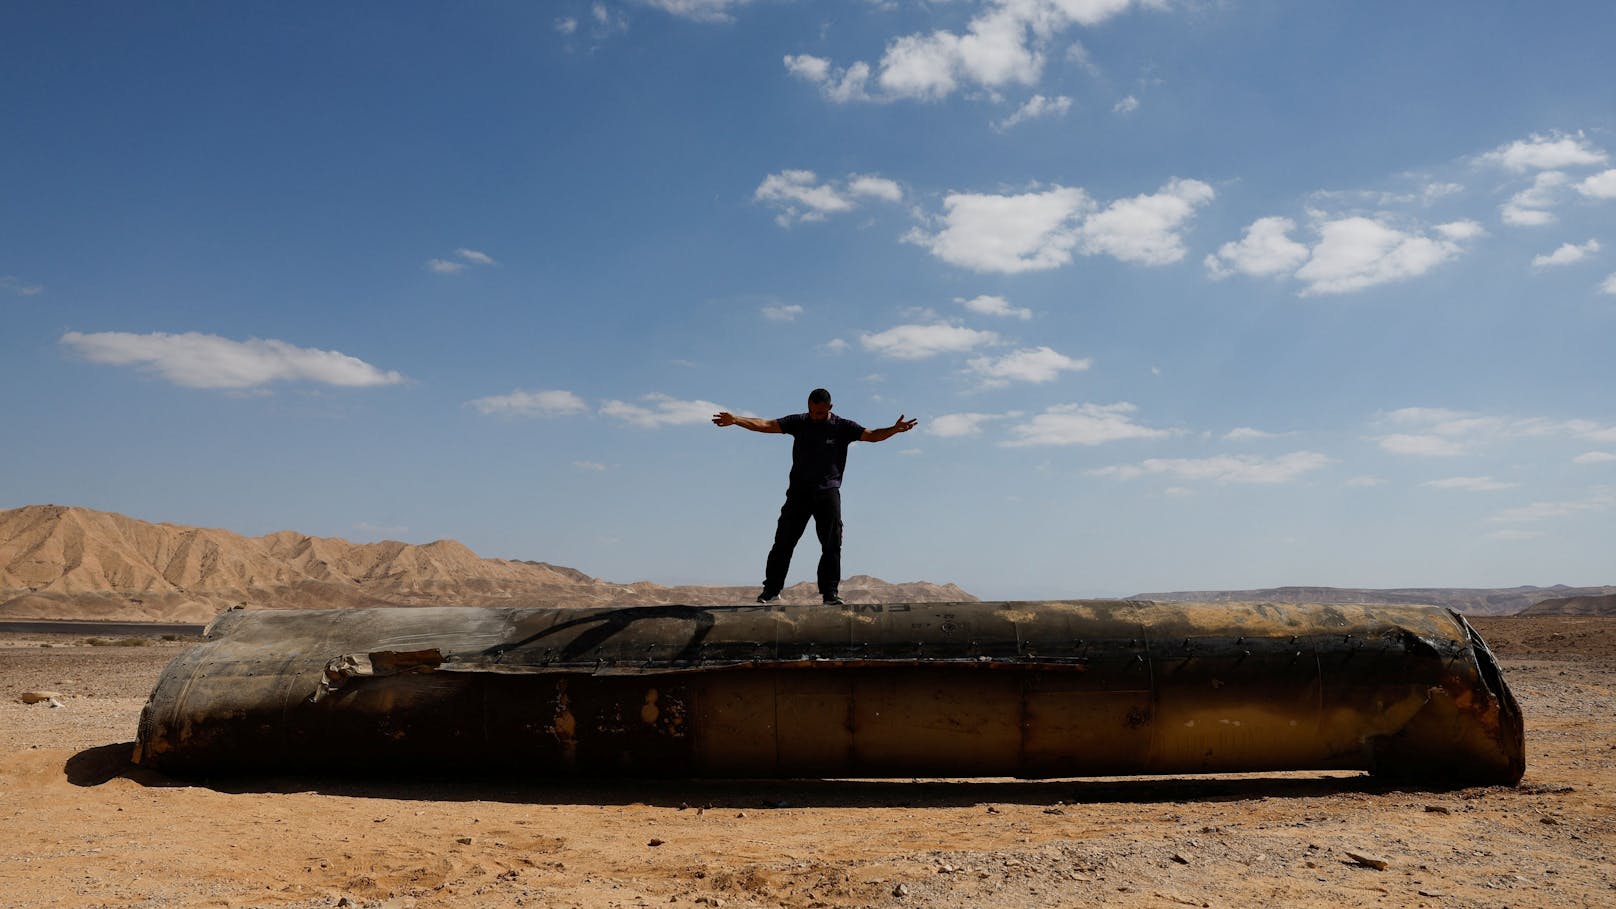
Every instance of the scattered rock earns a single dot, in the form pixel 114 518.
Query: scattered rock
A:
pixel 1437 809
pixel 901 890
pixel 463 840
pixel 655 842
pixel 37 697
pixel 1180 859
pixel 1366 860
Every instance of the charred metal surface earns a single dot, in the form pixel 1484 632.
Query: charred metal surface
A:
pixel 1046 689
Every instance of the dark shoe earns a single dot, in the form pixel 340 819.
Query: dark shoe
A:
pixel 768 599
pixel 834 600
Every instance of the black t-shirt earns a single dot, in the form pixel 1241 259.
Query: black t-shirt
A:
pixel 818 450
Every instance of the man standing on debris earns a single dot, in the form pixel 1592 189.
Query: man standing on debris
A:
pixel 818 457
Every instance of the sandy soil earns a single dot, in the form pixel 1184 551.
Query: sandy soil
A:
pixel 78 828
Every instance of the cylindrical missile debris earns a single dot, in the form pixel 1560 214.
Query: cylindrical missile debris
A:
pixel 1020 689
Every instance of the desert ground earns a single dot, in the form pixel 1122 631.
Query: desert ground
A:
pixel 79 827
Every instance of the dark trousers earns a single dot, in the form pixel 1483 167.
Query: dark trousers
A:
pixel 825 507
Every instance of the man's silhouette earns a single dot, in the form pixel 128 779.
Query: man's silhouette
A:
pixel 818 457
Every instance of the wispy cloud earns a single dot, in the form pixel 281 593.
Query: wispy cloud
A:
pixel 1470 484
pixel 1037 107
pixel 590 466
pixel 462 259
pixel 988 305
pixel 1246 434
pixel 197 360
pixel 1083 424
pixel 1599 499
pixel 1567 254
pixel 1594 457
pixel 520 403
pixel 11 285
pixel 1441 432
pixel 960 425
pixel 799 195
pixel 661 410
pixel 782 312
pixel 1285 468
pixel 700 10
pixel 1034 364
pixel 917 342
pixel 1531 207
pixel 1042 229
pixel 1126 106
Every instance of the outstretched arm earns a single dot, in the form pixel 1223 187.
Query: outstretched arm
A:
pixel 887 432
pixel 756 424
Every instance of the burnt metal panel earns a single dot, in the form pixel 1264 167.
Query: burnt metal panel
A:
pixel 1038 689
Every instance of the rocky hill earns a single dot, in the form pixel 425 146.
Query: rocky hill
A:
pixel 1467 600
pixel 61 562
pixel 1602 604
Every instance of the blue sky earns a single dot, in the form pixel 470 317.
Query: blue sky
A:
pixel 1183 294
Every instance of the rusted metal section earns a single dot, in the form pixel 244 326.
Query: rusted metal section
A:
pixel 1035 690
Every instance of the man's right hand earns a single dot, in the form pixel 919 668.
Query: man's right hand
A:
pixel 723 418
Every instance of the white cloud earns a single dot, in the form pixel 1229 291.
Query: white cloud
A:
pixel 1365 481
pixel 1010 234
pixel 916 342
pixel 1084 424
pixel 1608 286
pixel 1144 229
pixel 1036 365
pixel 1594 457
pixel 1004 44
pixel 699 10
pixel 1599 186
pixel 1421 445
pixel 196 360
pixel 12 285
pixel 1442 432
pixel 1470 484
pixel 875 188
pixel 1040 230
pixel 1530 207
pixel 1126 106
pixel 664 410
pixel 519 403
pixel 958 425
pixel 1512 535
pixel 1246 434
pixel 1223 468
pixel 798 195
pixel 1567 254
pixel 994 306
pixel 1598 500
pixel 782 312
pixel 1551 152
pixel 839 85
pixel 566 25
pixel 1037 107
pixel 836 346
pixel 1265 249
pixel 593 466
pixel 1357 252
pixel 466 257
